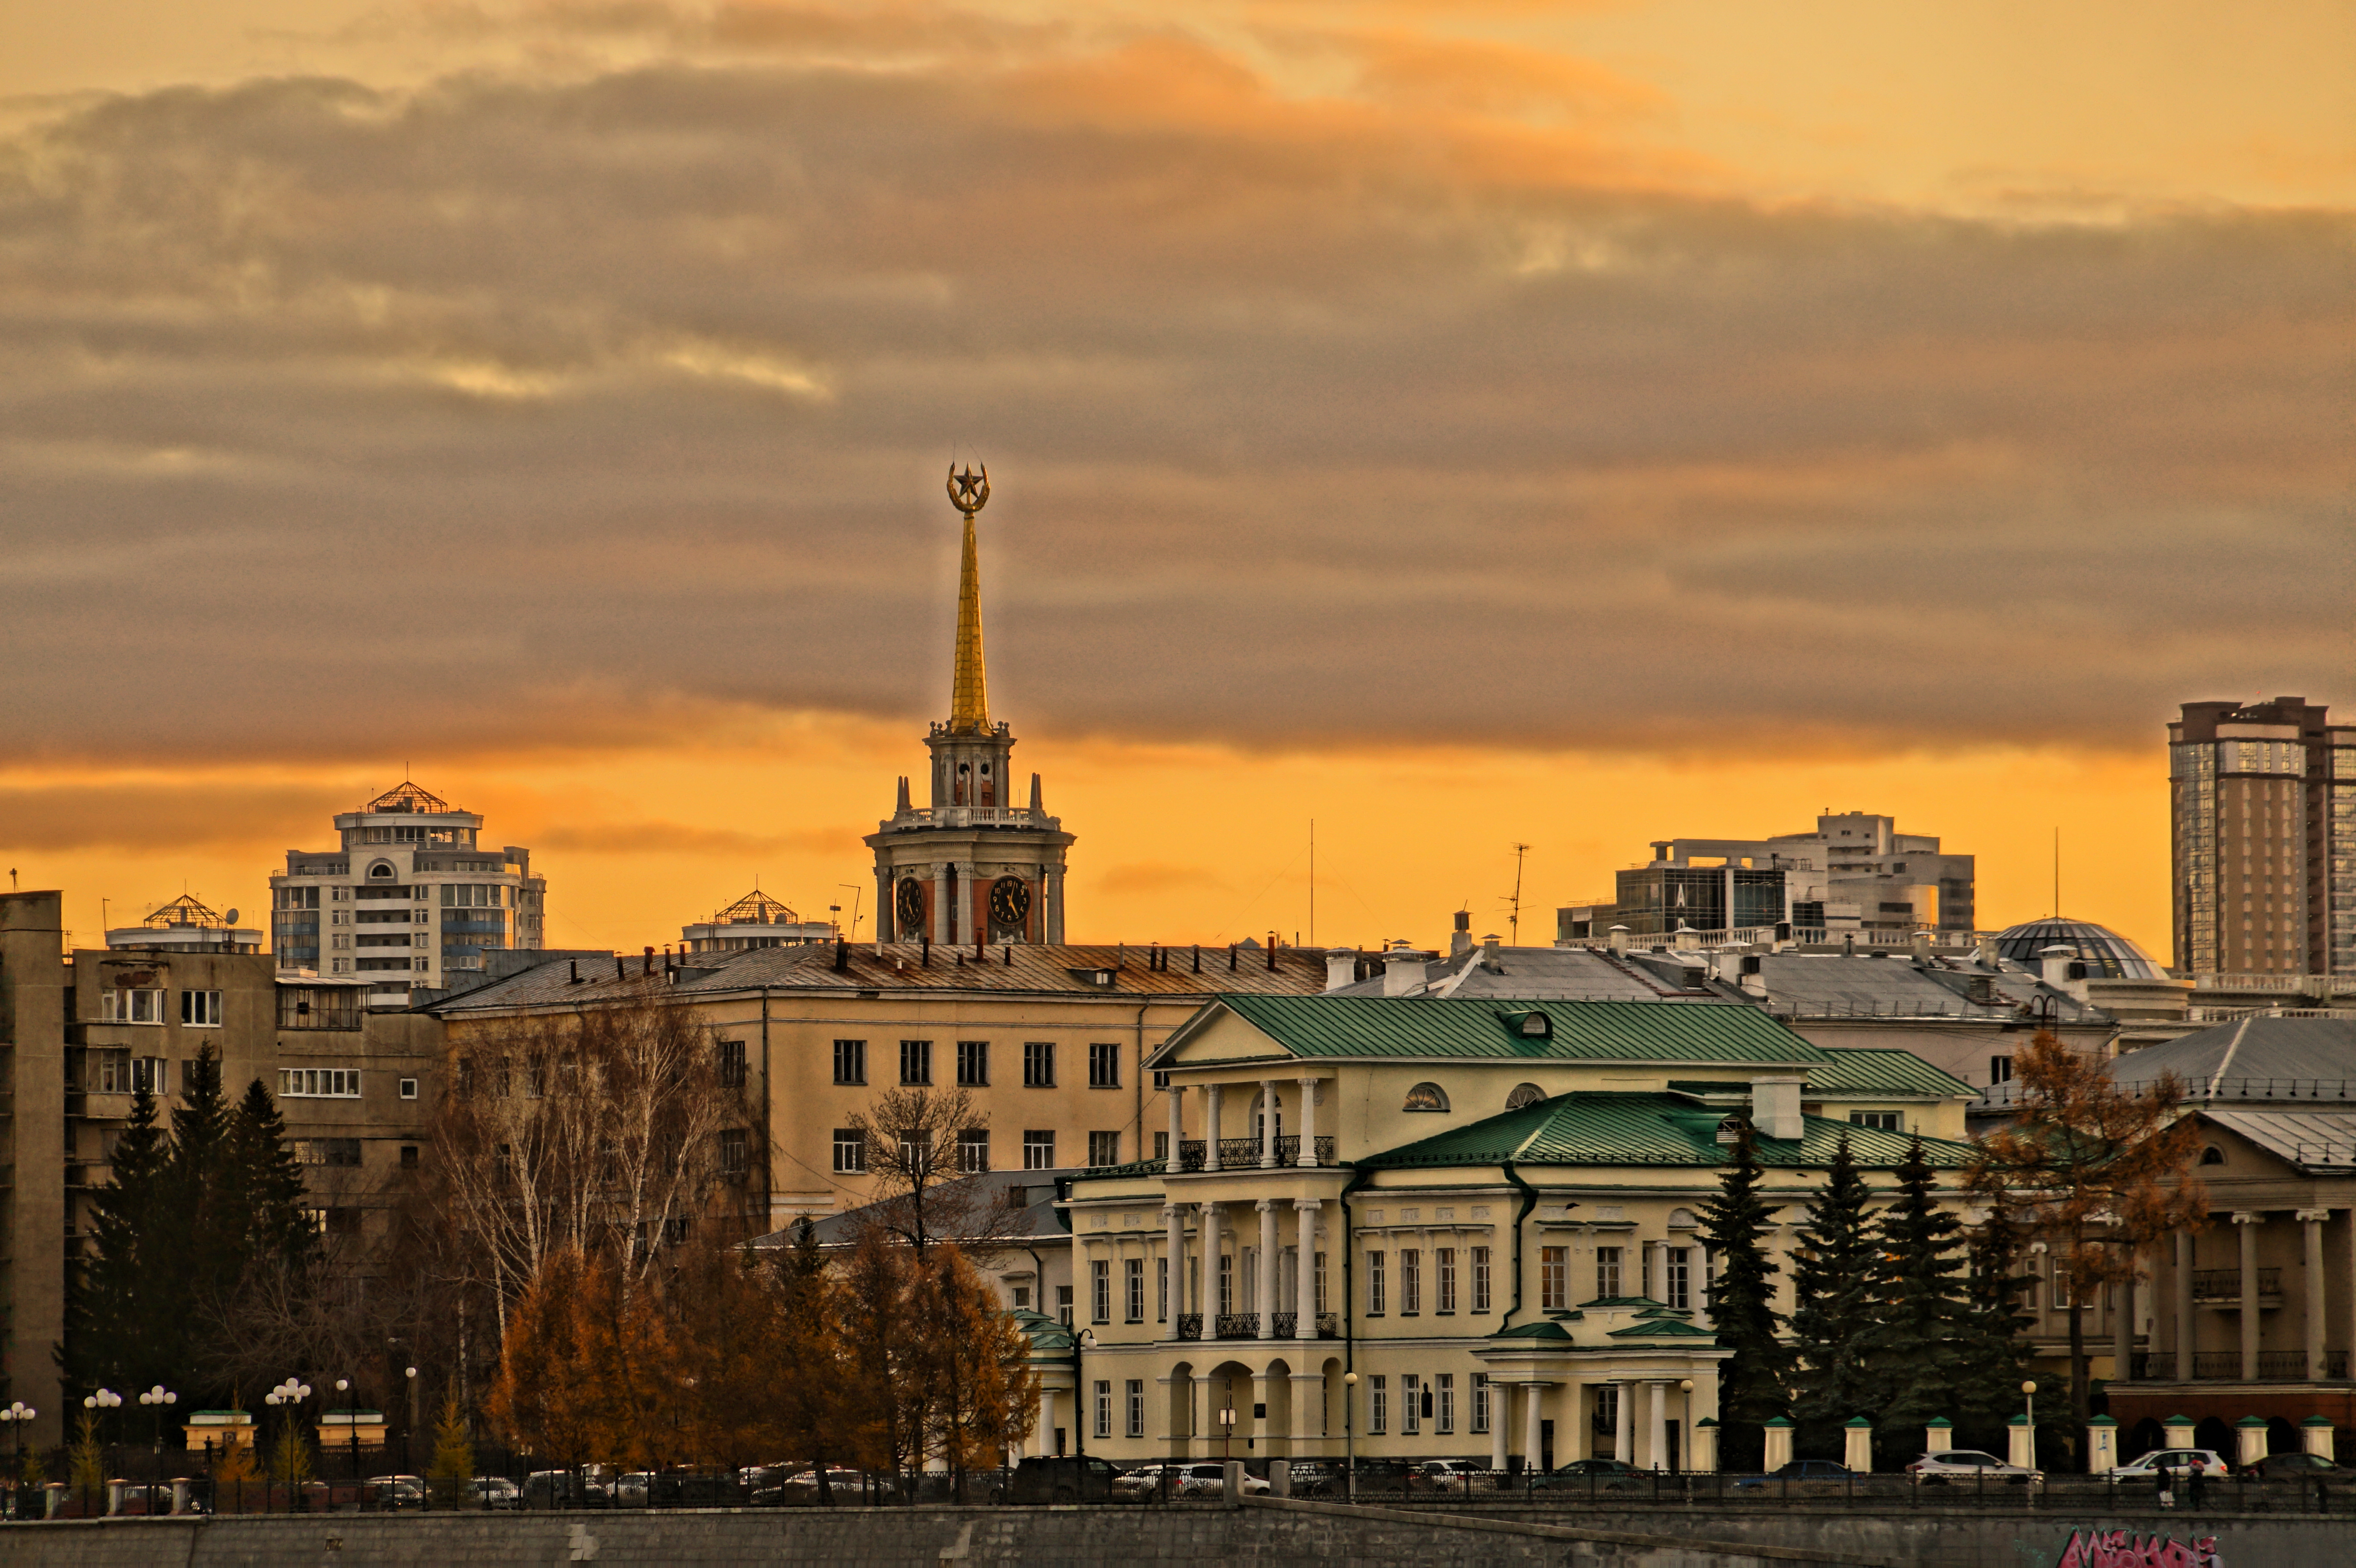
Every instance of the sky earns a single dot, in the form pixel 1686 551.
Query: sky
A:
pixel 1456 426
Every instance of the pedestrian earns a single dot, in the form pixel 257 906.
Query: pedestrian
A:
pixel 2199 1482
pixel 2161 1488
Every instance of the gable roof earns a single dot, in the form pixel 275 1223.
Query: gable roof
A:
pixel 1432 1027
pixel 1884 1071
pixel 1610 1128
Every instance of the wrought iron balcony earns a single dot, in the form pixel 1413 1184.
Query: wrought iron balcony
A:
pixel 1236 1325
pixel 2225 1283
pixel 1285 1323
pixel 1190 1325
pixel 2225 1366
pixel 1329 1326
pixel 1190 1155
pixel 1244 1153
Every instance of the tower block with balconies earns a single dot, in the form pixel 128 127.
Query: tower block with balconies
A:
pixel 972 866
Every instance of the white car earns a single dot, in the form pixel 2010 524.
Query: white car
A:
pixel 2181 1460
pixel 1201 1480
pixel 1966 1468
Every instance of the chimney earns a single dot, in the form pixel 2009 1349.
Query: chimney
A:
pixel 576 972
pixel 1726 963
pixel 1038 797
pixel 1783 935
pixel 1987 955
pixel 1341 968
pixel 650 961
pixel 1402 972
pixel 1775 1108
pixel 2057 960
pixel 1754 980
pixel 1687 940
pixel 1921 948
pixel 1617 939
pixel 1460 938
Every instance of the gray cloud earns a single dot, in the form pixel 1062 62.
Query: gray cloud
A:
pixel 520 412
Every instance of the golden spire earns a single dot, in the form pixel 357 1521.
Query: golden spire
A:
pixel 969 689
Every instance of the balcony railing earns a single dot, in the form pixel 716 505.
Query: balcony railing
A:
pixel 2225 1366
pixel 1236 1325
pixel 1284 1323
pixel 2225 1283
pixel 1244 1154
pixel 1190 1325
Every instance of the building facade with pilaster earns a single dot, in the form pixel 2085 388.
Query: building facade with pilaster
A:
pixel 1488 1211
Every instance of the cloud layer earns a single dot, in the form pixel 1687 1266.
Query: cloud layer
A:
pixel 592 407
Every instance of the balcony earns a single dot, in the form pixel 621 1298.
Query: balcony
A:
pixel 1244 1154
pixel 1236 1325
pixel 2225 1284
pixel 1245 1326
pixel 2225 1366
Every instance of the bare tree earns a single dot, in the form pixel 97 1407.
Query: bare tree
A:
pixel 913 1151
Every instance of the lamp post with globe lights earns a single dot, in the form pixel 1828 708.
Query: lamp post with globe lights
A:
pixel 351 1422
pixel 411 1374
pixel 160 1399
pixel 288 1394
pixel 15 1416
pixel 1350 1431
pixel 101 1398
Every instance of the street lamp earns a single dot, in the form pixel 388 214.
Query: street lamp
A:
pixel 352 1426
pixel 290 1393
pixel 15 1416
pixel 1685 1448
pixel 1227 1420
pixel 103 1399
pixel 2029 1396
pixel 1350 1430
pixel 1081 1410
pixel 156 1399
pixel 410 1373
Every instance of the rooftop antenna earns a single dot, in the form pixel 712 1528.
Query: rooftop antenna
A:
pixel 1312 882
pixel 2057 873
pixel 856 890
pixel 1515 923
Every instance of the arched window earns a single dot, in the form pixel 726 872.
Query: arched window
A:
pixel 2213 1154
pixel 1681 1219
pixel 1259 1118
pixel 1524 1094
pixel 381 873
pixel 1425 1097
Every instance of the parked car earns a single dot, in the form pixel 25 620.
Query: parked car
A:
pixel 842 1486
pixel 497 1492
pixel 2180 1460
pixel 1447 1476
pixel 2298 1466
pixel 1209 1481
pixel 1315 1478
pixel 1061 1479
pixel 1801 1477
pixel 1598 1475
pixel 564 1488
pixel 1970 1467
pixel 399 1492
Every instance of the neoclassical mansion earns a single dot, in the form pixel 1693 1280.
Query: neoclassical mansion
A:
pixel 1487 1212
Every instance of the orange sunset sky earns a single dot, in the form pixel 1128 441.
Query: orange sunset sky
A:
pixel 1457 424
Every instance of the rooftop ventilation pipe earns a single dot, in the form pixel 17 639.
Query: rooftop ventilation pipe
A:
pixel 1341 968
pixel 1616 939
pixel 1402 972
pixel 2056 960
pixel 1460 936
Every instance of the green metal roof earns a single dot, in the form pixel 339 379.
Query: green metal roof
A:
pixel 1661 1328
pixel 1447 1027
pixel 1884 1072
pixel 1540 1330
pixel 1606 1128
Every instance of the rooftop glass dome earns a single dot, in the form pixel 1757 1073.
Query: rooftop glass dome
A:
pixel 2107 954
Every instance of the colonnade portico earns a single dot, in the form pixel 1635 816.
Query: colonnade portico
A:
pixel 2279 1333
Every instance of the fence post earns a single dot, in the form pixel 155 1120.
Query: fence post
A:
pixel 2102 1444
pixel 1857 1446
pixel 1705 1444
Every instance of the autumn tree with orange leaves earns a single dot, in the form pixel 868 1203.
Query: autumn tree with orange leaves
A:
pixel 2095 1170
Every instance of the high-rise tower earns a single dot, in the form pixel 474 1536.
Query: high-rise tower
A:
pixel 2264 829
pixel 972 866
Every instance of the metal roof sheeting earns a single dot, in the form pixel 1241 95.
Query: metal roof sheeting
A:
pixel 1608 1128
pixel 1879 1070
pixel 1429 1027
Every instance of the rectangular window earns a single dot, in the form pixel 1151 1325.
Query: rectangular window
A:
pixel 1227 1284
pixel 408 1088
pixel 1100 1291
pixel 1104 1065
pixel 1999 1069
pixel 1554 1278
pixel 851 1062
pixel 1607 1408
pixel 1064 1304
pixel 1480 1402
pixel 1887 1121
pixel 973 1064
pixel 1607 1270
pixel 1103 1407
pixel 1039 1148
pixel 1676 1279
pixel 151 1073
pixel 1137 1407
pixel 1446 1420
pixel 2060 1285
pixel 973 1150
pixel 1379 1404
pixel 1161 1147
pixel 328 1151
pixel 1322 1308
pixel 1410 1281
pixel 1134 1268
pixel 915 1061
pixel 201 1008
pixel 1480 1279
pixel 1374 1291
pixel 731 1063
pixel 850 1150
pixel 1443 1262
pixel 735 1152
pixel 1410 1405
pixel 1162 1290
pixel 409 1156
pixel 124 1005
pixel 1039 1065
pixel 1104 1148
pixel 318 1082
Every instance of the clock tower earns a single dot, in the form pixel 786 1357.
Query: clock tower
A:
pixel 972 866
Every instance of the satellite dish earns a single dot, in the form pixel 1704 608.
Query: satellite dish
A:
pixel 230 919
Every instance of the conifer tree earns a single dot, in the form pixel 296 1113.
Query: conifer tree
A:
pixel 453 1469
pixel 120 1333
pixel 1913 1350
pixel 1751 1381
pixel 1834 1310
pixel 263 1178
pixel 1993 1346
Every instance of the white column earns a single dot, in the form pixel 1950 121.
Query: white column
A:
pixel 1266 1304
pixel 1501 1417
pixel 1174 1222
pixel 1267 1123
pixel 1210 1244
pixel 1623 1426
pixel 1531 1441
pixel 1308 1122
pixel 2311 1222
pixel 1657 1431
pixel 1211 1127
pixel 1308 1212
pixel 1046 1434
pixel 941 907
pixel 1177 1126
pixel 2186 1333
pixel 2247 1221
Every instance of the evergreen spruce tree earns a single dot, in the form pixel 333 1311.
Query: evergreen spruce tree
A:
pixel 113 1324
pixel 260 1173
pixel 1751 1381
pixel 1913 1350
pixel 1993 1347
pixel 206 1212
pixel 1832 1287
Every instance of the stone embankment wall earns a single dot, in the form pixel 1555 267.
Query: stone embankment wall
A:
pixel 1186 1537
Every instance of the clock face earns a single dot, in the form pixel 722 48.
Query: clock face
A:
pixel 1010 901
pixel 908 905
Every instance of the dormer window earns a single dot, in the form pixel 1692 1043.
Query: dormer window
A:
pixel 1524 1094
pixel 2213 1154
pixel 1531 1025
pixel 1730 1130
pixel 1425 1097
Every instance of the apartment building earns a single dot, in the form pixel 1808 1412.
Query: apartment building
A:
pixel 81 1031
pixel 2263 832
pixel 410 895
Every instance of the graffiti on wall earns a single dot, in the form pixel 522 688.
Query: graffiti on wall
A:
pixel 2124 1549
